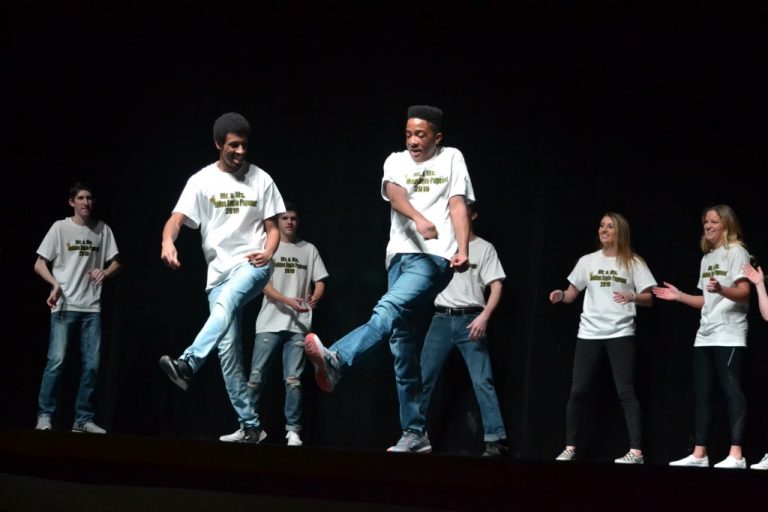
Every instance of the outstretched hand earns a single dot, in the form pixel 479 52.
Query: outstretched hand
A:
pixel 667 292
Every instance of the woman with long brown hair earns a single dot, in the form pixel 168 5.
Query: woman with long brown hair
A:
pixel 616 280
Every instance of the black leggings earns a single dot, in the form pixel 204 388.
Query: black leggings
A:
pixel 621 354
pixel 724 364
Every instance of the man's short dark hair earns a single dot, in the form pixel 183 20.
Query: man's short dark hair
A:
pixel 291 207
pixel 231 122
pixel 77 187
pixel 432 115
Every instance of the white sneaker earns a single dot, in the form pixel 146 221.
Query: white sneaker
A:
pixel 692 461
pixel 566 455
pixel 731 463
pixel 763 464
pixel 43 422
pixel 245 435
pixel 88 427
pixel 293 438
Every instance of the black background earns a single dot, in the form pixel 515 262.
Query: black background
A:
pixel 561 112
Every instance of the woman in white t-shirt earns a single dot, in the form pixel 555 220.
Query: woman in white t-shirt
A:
pixel 616 279
pixel 718 352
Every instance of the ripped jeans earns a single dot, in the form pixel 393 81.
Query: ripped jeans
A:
pixel 265 349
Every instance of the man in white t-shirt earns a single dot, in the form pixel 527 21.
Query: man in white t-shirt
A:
pixel 296 287
pixel 76 256
pixel 428 188
pixel 234 203
pixel 461 320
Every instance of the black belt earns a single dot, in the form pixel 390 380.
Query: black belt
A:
pixel 458 311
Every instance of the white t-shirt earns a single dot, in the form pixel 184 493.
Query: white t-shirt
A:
pixel 602 317
pixel 74 250
pixel 230 210
pixel 429 185
pixel 297 266
pixel 723 321
pixel 466 289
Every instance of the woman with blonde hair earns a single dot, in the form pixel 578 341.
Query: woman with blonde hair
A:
pixel 718 351
pixel 616 280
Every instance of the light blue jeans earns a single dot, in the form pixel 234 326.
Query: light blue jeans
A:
pixel 265 348
pixel 444 333
pixel 63 325
pixel 414 280
pixel 222 331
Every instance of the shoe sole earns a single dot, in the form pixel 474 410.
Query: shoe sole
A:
pixel 170 370
pixel 425 450
pixel 313 347
pixel 262 436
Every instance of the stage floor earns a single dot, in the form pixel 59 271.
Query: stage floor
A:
pixel 67 471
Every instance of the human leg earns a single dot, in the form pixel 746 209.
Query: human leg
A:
pixel 265 347
pixel 437 346
pixel 621 354
pixel 585 359
pixel 90 343
pixel 426 276
pixel 244 283
pixel 475 353
pixel 62 323
pixel 293 367
pixel 729 364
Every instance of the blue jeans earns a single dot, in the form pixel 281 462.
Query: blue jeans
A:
pixel 444 333
pixel 264 349
pixel 63 324
pixel 414 280
pixel 222 331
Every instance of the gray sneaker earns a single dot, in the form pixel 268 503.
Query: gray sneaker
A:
pixel 630 458
pixel 327 374
pixel 566 455
pixel 178 371
pixel 252 435
pixel 88 427
pixel 412 442
pixel 43 422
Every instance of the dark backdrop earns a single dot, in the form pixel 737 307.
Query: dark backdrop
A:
pixel 561 114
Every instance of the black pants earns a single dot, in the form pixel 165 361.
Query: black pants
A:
pixel 724 364
pixel 621 354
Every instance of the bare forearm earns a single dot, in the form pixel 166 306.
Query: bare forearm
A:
pixel 644 299
pixel 695 301
pixel 460 221
pixel 738 293
pixel 398 199
pixel 494 297
pixel 317 294
pixel 273 236
pixel 41 269
pixel 113 268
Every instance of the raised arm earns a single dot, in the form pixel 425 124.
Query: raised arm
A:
pixel 170 233
pixel 478 326
pixel 398 198
pixel 460 221
pixel 568 295
pixel 41 269
pixel 672 293
pixel 757 278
